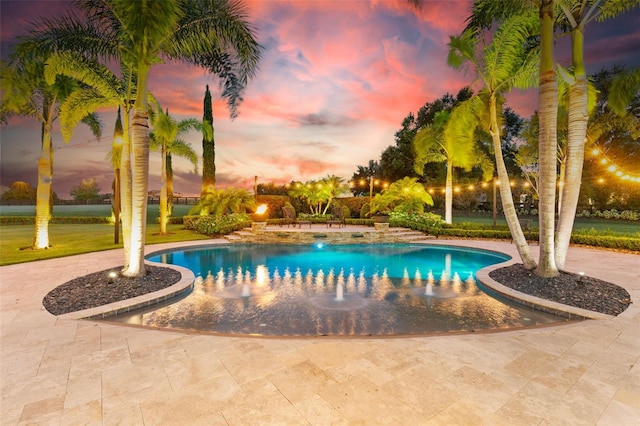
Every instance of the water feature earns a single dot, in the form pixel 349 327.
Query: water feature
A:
pixel 325 289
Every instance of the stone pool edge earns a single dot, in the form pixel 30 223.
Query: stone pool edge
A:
pixel 534 302
pixel 187 280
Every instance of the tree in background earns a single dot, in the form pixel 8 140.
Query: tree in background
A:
pixel 433 144
pixel 318 195
pixel 86 191
pixel 220 202
pixel 27 93
pixel 208 147
pixel 405 195
pixel 364 177
pixel 165 138
pixel 21 192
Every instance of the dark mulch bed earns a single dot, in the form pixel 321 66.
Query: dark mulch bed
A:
pixel 99 289
pixel 569 289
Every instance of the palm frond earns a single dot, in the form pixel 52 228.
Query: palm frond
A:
pixel 216 35
pixel 612 8
pixel 91 73
pixel 77 106
pixel 623 88
pixel 485 13
pixel 509 47
pixel 180 148
pixel 95 125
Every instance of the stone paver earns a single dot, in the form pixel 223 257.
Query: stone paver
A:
pixel 67 371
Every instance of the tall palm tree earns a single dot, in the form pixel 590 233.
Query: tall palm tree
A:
pixel 576 15
pixel 27 93
pixel 572 15
pixel 102 89
pixel 506 63
pixel 166 139
pixel 213 34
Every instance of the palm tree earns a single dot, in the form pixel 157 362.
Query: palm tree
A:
pixel 27 93
pixel 213 34
pixel 332 186
pixel 505 63
pixel 103 89
pixel 166 139
pixel 432 145
pixel 576 15
pixel 222 201
pixel 572 14
pixel 407 195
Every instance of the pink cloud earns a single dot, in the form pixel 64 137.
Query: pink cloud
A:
pixel 335 82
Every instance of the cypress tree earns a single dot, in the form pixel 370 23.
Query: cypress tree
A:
pixel 208 147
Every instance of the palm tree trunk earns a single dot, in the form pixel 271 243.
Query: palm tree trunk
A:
pixel 139 175
pixel 169 185
pixel 508 206
pixel 561 184
pixel 578 121
pixel 548 111
pixel 43 192
pixel 125 190
pixel 448 195
pixel 163 189
pixel 139 191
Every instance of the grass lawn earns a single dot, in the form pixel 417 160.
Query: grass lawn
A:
pixel 91 210
pixel 625 228
pixel 67 240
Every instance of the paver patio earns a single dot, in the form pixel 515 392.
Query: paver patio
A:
pixel 62 371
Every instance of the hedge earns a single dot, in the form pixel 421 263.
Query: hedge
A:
pixel 61 220
pixel 354 203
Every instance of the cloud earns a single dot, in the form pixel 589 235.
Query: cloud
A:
pixel 335 81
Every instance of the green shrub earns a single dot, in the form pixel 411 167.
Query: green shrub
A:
pixel 611 214
pixel 364 222
pixel 364 211
pixel 417 221
pixel 626 243
pixel 217 225
pixel 315 218
pixel 346 212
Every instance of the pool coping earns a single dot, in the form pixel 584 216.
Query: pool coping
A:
pixel 188 277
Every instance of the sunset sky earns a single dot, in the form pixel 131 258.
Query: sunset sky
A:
pixel 335 82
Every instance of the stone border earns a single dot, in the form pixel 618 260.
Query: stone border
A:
pixel 534 302
pixel 99 312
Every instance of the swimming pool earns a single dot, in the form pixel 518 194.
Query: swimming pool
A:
pixel 337 290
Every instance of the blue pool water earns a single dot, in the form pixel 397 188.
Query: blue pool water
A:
pixel 376 289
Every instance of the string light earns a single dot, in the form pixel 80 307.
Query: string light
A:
pixel 614 169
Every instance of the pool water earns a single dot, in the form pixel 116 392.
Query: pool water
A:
pixel 338 290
